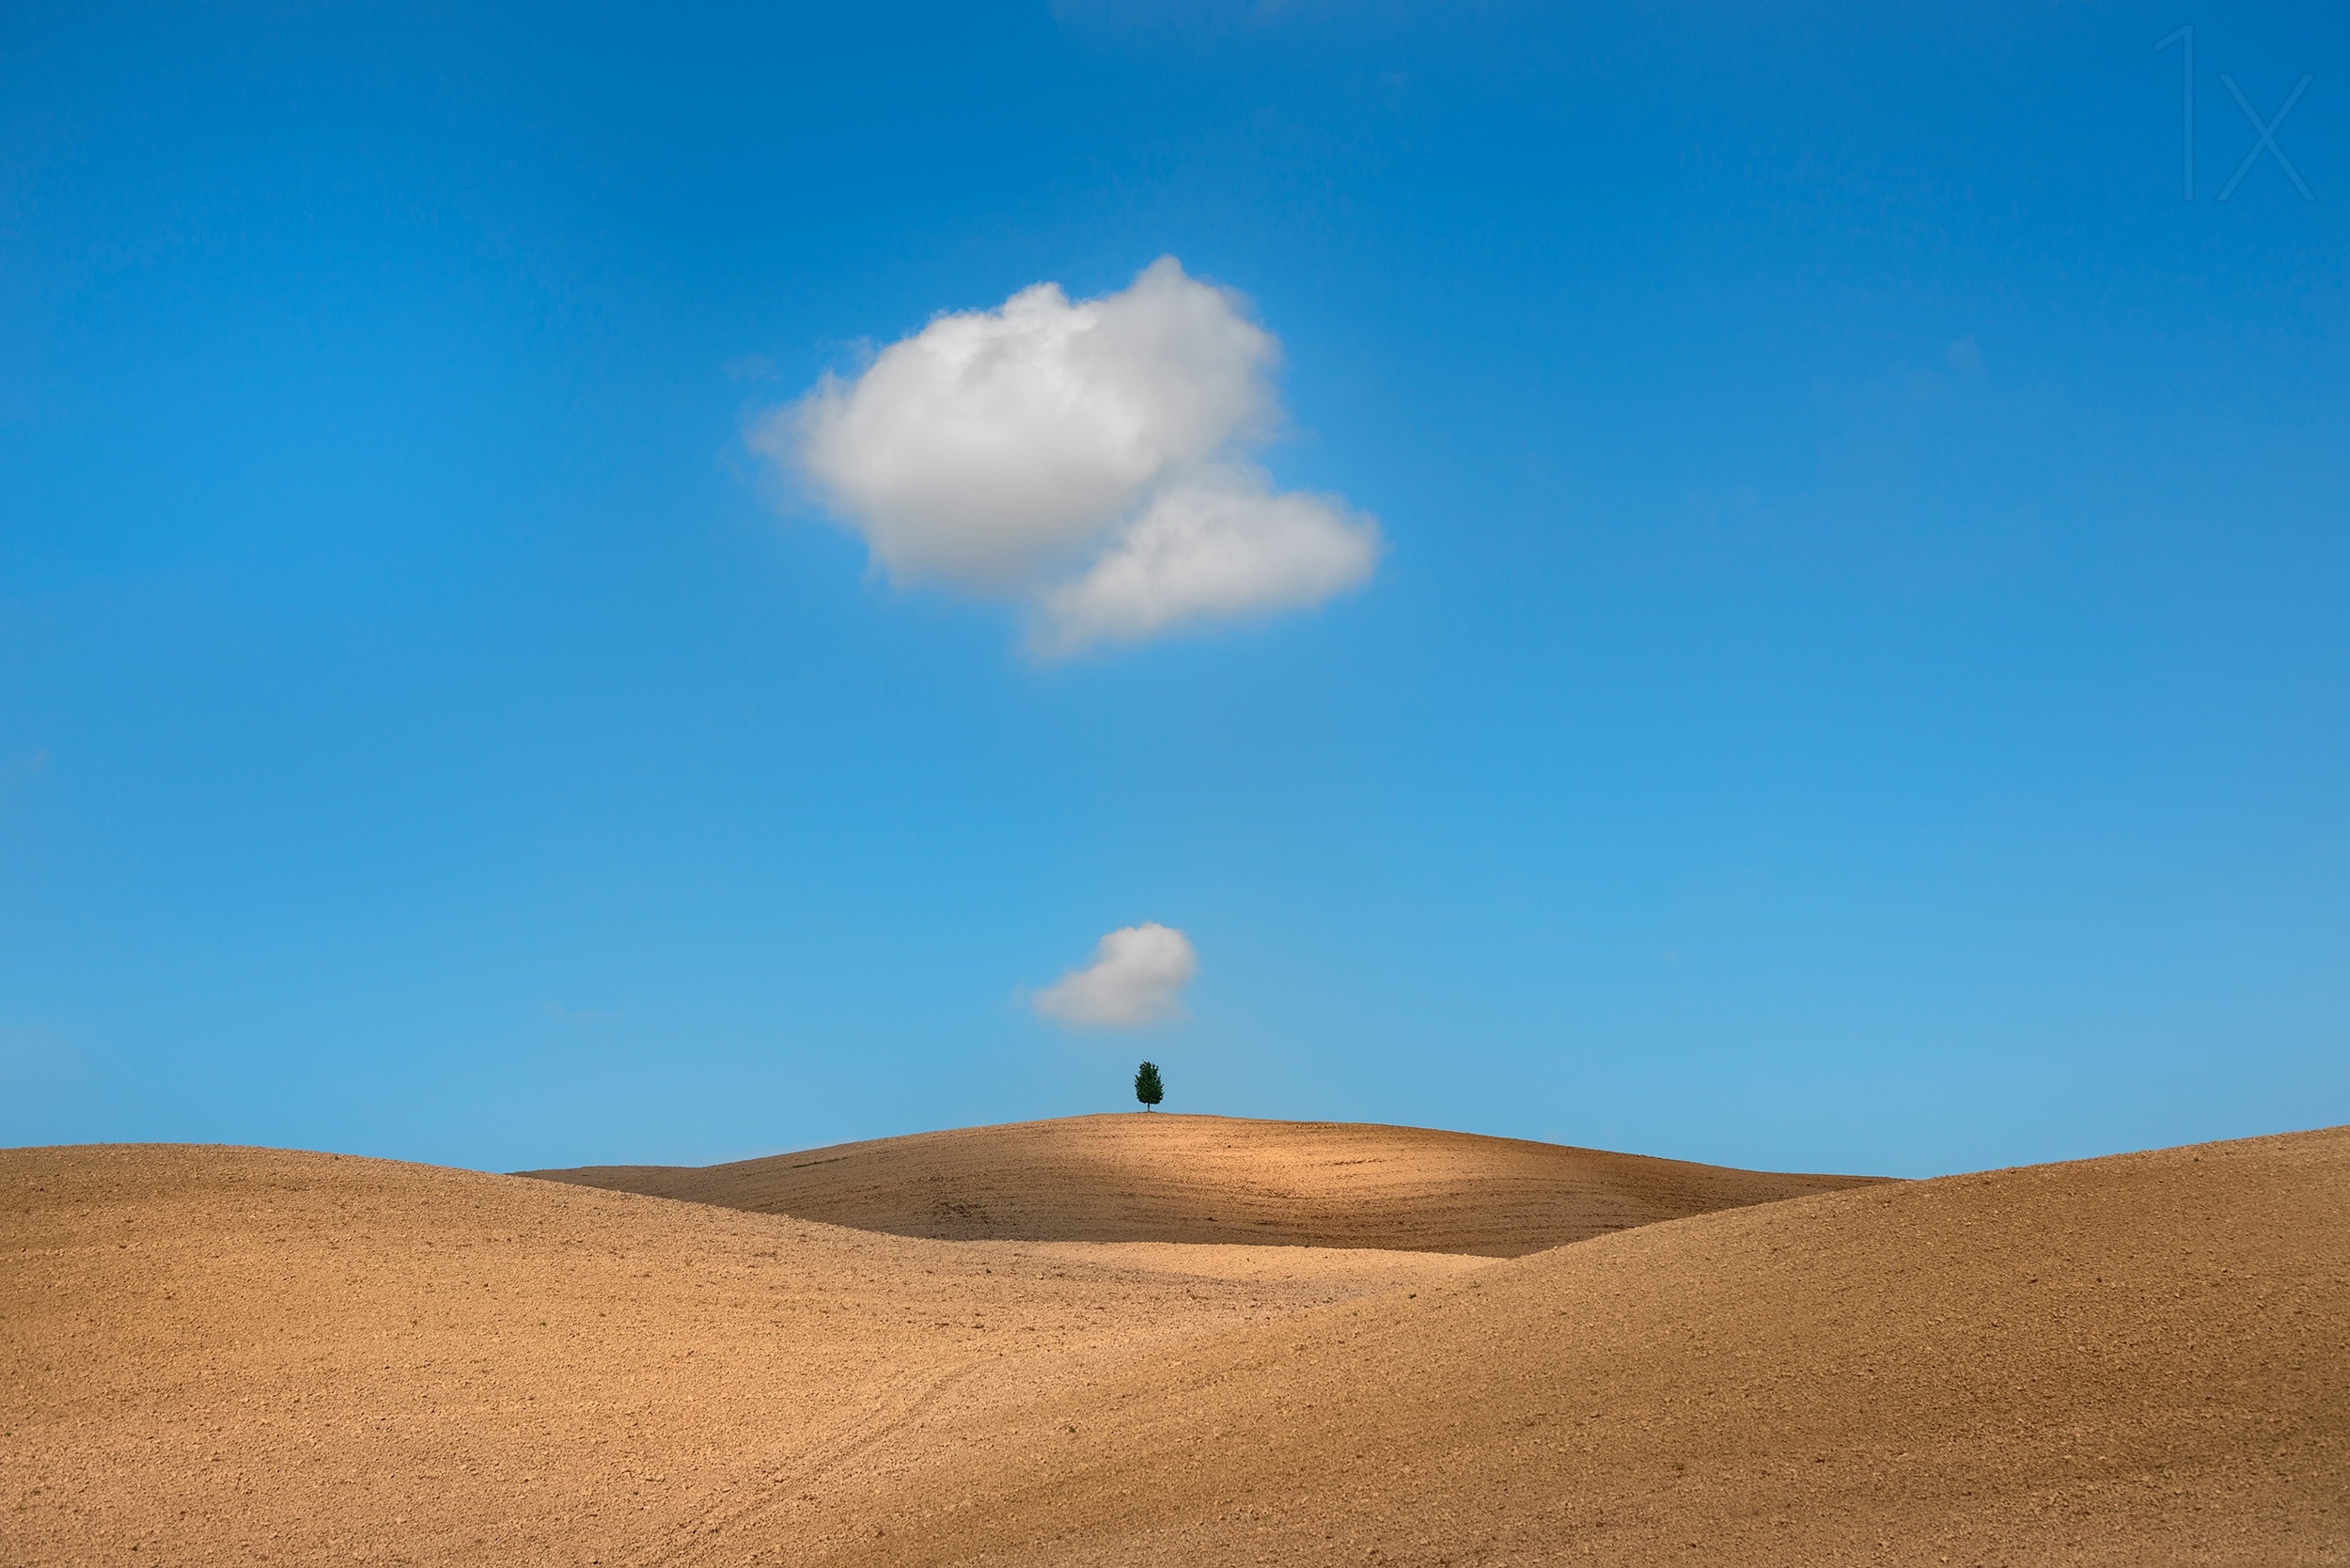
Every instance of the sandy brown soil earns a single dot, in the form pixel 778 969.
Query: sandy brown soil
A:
pixel 236 1355
pixel 1212 1179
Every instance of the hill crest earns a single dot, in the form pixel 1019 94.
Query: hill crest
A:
pixel 1217 1180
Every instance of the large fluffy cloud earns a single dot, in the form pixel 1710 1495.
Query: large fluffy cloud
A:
pixel 1136 976
pixel 1083 456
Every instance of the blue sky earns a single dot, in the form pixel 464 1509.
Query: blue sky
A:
pixel 1855 678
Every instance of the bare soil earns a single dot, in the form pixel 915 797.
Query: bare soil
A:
pixel 244 1356
pixel 1218 1179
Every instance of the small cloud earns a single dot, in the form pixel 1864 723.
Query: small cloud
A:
pixel 1964 357
pixel 748 367
pixel 1082 457
pixel 1133 980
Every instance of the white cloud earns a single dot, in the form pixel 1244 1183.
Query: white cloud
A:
pixel 1218 545
pixel 1133 979
pixel 1083 456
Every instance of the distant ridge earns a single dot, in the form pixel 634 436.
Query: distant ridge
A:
pixel 1215 1179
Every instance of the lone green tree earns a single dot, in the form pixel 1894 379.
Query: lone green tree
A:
pixel 1147 1086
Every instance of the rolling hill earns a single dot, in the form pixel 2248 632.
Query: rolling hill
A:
pixel 1214 1178
pixel 222 1355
